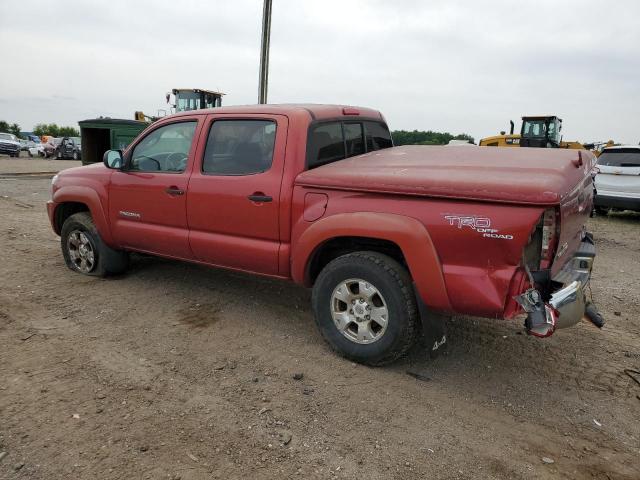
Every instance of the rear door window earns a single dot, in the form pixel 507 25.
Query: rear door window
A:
pixel 620 157
pixel 239 147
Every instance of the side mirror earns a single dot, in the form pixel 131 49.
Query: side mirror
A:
pixel 113 159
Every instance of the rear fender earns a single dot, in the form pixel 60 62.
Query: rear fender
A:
pixel 91 199
pixel 408 233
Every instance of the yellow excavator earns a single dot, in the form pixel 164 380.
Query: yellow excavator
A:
pixel 541 131
pixel 185 99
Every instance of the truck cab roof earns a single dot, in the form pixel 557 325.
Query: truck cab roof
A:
pixel 315 111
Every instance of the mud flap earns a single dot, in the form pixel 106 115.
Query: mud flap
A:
pixel 433 328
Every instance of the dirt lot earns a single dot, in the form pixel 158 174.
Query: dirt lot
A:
pixel 178 371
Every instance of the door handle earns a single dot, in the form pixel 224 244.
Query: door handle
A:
pixel 260 197
pixel 174 191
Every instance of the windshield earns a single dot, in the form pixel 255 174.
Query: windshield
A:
pixel 187 101
pixel 7 136
pixel 620 157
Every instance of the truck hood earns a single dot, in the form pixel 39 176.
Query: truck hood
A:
pixel 535 176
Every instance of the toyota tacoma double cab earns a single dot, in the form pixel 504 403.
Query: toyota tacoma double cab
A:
pixel 390 239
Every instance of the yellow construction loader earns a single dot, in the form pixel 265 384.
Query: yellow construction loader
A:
pixel 185 99
pixel 542 131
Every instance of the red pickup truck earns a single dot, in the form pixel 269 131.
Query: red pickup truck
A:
pixel 389 238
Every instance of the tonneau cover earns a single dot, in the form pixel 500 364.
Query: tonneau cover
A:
pixel 539 176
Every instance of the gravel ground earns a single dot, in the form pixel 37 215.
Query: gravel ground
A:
pixel 179 371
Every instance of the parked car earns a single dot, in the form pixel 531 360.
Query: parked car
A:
pixel 50 147
pixel 9 144
pixel 77 148
pixel 37 150
pixel 32 147
pixel 387 237
pixel 617 182
pixel 67 148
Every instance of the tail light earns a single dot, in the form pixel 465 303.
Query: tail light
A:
pixel 549 237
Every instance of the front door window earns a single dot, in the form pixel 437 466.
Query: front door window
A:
pixel 166 149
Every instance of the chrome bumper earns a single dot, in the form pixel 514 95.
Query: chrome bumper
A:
pixel 566 306
pixel 569 304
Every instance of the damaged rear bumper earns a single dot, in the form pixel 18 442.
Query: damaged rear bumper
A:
pixel 566 304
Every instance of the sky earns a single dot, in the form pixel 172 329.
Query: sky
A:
pixel 462 66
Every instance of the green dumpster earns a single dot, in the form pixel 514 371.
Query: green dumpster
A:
pixel 102 134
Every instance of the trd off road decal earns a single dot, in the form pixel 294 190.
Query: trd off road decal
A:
pixel 479 224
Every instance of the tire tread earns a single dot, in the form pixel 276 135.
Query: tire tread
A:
pixel 402 279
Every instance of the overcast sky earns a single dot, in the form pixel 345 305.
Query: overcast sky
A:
pixel 458 66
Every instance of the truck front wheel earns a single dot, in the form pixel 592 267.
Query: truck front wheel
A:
pixel 85 252
pixel 365 307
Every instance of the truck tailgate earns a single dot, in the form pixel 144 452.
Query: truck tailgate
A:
pixel 575 210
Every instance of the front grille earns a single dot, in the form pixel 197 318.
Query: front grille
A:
pixel 7 147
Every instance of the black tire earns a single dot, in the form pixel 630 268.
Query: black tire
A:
pixel 107 261
pixel 603 211
pixel 76 156
pixel 59 155
pixel 394 284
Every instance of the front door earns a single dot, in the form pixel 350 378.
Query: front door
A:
pixel 234 192
pixel 147 200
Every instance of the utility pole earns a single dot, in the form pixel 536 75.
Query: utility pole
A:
pixel 264 52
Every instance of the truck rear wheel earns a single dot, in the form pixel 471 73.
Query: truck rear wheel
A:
pixel 365 307
pixel 85 252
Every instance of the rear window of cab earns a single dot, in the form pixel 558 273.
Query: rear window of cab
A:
pixel 336 140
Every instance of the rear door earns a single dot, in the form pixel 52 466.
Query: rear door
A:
pixel 147 201
pixel 619 173
pixel 233 201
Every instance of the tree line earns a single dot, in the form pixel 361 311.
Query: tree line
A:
pixel 40 129
pixel 417 137
pixel 10 128
pixel 400 137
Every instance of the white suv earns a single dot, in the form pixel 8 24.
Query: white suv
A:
pixel 618 179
